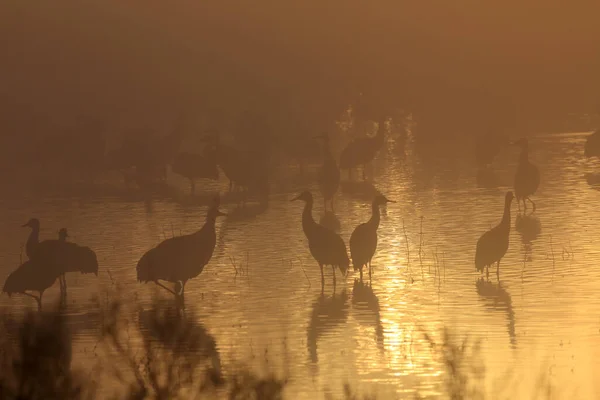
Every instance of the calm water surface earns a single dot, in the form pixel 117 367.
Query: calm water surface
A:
pixel 542 319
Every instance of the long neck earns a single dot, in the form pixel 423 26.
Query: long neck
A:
pixel 34 236
pixel 375 216
pixel 307 219
pixel 524 157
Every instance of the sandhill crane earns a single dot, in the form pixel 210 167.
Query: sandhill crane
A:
pixel 34 236
pixel 362 151
pixel 592 145
pixel 32 275
pixel 326 246
pixel 487 147
pixel 196 166
pixel 70 257
pixel 493 244
pixel 363 241
pixel 181 258
pixel 329 173
pixel 527 177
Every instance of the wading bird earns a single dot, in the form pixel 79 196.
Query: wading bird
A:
pixel 32 275
pixel 329 173
pixel 326 246
pixel 363 241
pixel 493 244
pixel 527 177
pixel 196 166
pixel 362 151
pixel 181 258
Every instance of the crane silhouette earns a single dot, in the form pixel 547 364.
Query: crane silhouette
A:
pixel 493 244
pixel 527 177
pixel 362 151
pixel 326 246
pixel 181 258
pixel 363 241
pixel 32 275
pixel 196 166
pixel 329 173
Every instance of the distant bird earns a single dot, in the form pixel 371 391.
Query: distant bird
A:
pixel 363 241
pixel 592 145
pixel 493 244
pixel 326 246
pixel 329 173
pixel 181 258
pixel 527 177
pixel 196 166
pixel 487 147
pixel 362 151
pixel 34 236
pixel 32 275
pixel 70 257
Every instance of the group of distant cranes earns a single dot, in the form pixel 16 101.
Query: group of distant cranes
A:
pixel 179 259
pixel 48 261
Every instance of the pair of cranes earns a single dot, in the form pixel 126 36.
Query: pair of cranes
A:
pixel 48 261
pixel 493 244
pixel 359 152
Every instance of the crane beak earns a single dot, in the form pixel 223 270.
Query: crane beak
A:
pixel 295 198
pixel 221 214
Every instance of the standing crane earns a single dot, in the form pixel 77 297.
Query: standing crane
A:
pixel 181 258
pixel 363 241
pixel 362 151
pixel 493 244
pixel 326 246
pixel 329 173
pixel 527 177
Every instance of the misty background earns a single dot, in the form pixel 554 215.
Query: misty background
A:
pixel 457 66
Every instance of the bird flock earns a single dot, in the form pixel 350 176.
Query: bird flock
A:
pixel 177 260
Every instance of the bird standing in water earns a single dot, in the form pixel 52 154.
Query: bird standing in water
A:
pixel 181 258
pixel 363 241
pixel 329 173
pixel 362 151
pixel 493 244
pixel 326 246
pixel 527 177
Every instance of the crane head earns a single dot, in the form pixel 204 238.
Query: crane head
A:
pixel 509 197
pixel 33 223
pixel 381 199
pixel 304 196
pixel 63 234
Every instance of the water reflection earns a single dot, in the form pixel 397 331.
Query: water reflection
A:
pixel 496 298
pixel 328 312
pixel 360 190
pixel 528 226
pixel 330 221
pixel 364 299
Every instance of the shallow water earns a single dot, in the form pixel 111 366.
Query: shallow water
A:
pixel 542 318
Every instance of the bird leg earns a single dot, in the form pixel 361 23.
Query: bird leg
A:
pixel 369 271
pixel 192 187
pixel 361 268
pixel 37 299
pixel 533 204
pixel 332 210
pixel 364 172
pixel 487 271
pixel 498 270
pixel 333 270
pixel 322 277
pixel 166 288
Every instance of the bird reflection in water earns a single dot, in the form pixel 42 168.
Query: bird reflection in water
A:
pixel 330 221
pixel 529 227
pixel 360 190
pixel 327 313
pixel 181 334
pixel 364 299
pixel 496 298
